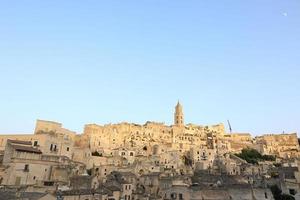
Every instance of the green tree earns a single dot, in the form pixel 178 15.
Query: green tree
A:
pixel 96 153
pixel 253 156
pixel 277 194
pixel 287 197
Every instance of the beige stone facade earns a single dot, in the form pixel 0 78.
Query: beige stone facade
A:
pixel 282 145
pixel 152 152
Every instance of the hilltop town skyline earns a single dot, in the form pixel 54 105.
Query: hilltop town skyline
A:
pixel 227 126
pixel 128 161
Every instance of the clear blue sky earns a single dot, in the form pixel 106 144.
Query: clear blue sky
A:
pixel 79 62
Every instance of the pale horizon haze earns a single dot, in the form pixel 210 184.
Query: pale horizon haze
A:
pixel 80 62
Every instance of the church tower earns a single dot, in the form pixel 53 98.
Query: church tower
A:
pixel 178 115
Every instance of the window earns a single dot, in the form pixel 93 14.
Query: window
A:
pixel 35 143
pixel 51 147
pixel 292 191
pixel 34 178
pixel 48 183
pixel 54 149
pixel 68 148
pixel 180 196
pixel 26 168
pixel 131 153
pixel 173 196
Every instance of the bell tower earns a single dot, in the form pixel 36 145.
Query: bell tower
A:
pixel 178 115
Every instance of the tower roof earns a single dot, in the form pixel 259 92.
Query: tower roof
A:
pixel 178 104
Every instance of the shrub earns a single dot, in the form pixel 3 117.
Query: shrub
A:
pixel 253 156
pixel 96 153
pixel 278 195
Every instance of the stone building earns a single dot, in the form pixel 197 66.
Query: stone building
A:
pixel 282 145
pixel 49 137
pixel 27 165
pixel 141 161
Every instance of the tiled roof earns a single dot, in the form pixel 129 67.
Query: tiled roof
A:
pixel 83 192
pixel 11 195
pixel 20 142
pixel 113 188
pixel 127 174
pixel 77 192
pixel 26 149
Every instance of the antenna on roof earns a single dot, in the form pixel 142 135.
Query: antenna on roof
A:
pixel 230 129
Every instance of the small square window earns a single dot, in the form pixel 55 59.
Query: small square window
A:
pixel 26 168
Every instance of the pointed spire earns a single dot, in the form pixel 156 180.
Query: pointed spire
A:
pixel 178 104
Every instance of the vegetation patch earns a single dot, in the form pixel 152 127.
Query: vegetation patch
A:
pixel 253 156
pixel 96 153
pixel 278 195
